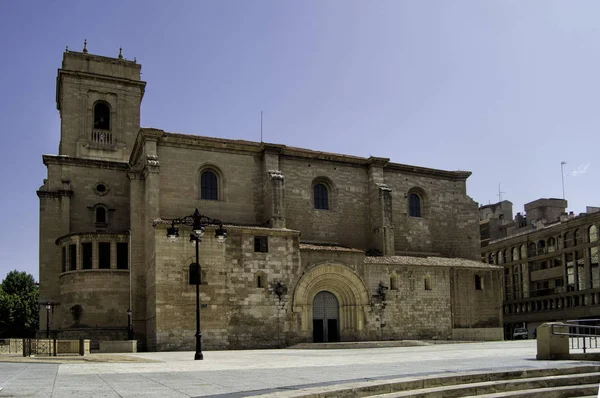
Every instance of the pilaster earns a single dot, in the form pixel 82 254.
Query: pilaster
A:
pixel 380 209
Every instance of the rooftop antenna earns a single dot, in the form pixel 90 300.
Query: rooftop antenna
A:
pixel 562 176
pixel 261 112
pixel 500 193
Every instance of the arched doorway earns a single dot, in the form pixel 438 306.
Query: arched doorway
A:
pixel 348 289
pixel 325 318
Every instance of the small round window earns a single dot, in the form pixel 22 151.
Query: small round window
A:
pixel 101 189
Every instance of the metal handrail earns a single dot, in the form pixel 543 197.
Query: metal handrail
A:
pixel 576 335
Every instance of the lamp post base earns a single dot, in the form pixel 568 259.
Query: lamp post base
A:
pixel 198 356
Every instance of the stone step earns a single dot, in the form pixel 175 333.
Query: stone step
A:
pixel 445 381
pixel 493 388
pixel 580 391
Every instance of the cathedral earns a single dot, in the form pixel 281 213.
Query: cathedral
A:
pixel 293 245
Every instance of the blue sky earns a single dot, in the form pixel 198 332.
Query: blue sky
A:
pixel 505 89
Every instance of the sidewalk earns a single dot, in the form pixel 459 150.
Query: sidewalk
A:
pixel 253 372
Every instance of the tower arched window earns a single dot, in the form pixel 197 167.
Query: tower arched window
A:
pixel 478 283
pixel 321 196
pixel 414 205
pixel 100 215
pixel 102 116
pixel 209 185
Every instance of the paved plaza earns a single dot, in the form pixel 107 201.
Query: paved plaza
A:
pixel 251 372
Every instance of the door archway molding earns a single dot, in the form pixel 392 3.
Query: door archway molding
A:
pixel 342 281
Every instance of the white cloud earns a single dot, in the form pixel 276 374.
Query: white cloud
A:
pixel 581 169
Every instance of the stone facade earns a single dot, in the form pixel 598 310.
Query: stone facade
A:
pixel 392 249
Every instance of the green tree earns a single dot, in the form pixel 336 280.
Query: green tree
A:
pixel 19 308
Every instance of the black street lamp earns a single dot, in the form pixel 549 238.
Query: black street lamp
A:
pixel 129 325
pixel 48 308
pixel 197 221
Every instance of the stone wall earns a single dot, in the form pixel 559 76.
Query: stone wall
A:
pixel 346 220
pixel 449 224
pixel 410 311
pixel 101 294
pixel 474 308
pixel 240 180
pixel 235 311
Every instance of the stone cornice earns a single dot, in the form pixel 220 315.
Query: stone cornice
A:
pixel 243 229
pixel 377 162
pixel 453 175
pixel 94 76
pixel 251 147
pixel 144 135
pixel 92 234
pixel 103 58
pixel 92 163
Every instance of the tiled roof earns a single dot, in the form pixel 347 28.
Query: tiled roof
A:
pixel 167 221
pixel 332 248
pixel 430 262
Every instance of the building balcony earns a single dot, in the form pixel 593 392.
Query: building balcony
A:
pixel 103 140
pixel 563 306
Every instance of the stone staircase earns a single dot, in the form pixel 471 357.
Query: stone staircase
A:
pixel 558 382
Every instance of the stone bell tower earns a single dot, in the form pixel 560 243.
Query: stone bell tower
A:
pixel 99 102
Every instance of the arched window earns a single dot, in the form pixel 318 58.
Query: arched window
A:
pixel 541 247
pixel 593 233
pixel 209 185
pixel 414 205
pixel 551 245
pixel 523 251
pixel 491 258
pixel 393 282
pixel 506 255
pixel 427 281
pixel 260 279
pixel 321 197
pixel 515 252
pixel 577 238
pixel 102 116
pixel 500 258
pixel 478 283
pixel 531 250
pixel 568 239
pixel 100 215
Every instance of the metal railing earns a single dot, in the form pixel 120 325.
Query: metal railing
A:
pixel 53 347
pixel 583 333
